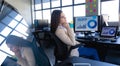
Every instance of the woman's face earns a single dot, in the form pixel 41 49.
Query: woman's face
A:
pixel 13 48
pixel 62 18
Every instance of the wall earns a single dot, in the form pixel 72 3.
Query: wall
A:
pixel 24 8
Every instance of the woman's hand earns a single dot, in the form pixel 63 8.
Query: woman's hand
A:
pixel 18 54
pixel 66 25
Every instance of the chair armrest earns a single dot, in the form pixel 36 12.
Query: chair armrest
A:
pixel 76 46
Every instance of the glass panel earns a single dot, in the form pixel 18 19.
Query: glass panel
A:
pixel 38 14
pixel 2 57
pixel 6 20
pixel 6 49
pixel 56 3
pixel 1 39
pixel 18 34
pixel 111 10
pixel 24 22
pixel 37 4
pixel 6 31
pixel 68 13
pixel 15 15
pixel 22 30
pixel 2 26
pixel 79 10
pixel 18 17
pixel 46 15
pixel 78 1
pixel 66 2
pixel 46 4
pixel 10 22
pixel 13 23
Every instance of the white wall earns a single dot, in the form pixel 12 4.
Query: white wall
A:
pixel 23 7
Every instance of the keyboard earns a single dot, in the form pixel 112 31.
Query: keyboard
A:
pixel 86 38
pixel 105 39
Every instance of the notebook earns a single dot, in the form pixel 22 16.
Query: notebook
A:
pixel 108 32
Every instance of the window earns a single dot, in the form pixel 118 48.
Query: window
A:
pixel 4 30
pixel 56 3
pixel 73 8
pixel 79 1
pixel 24 22
pixel 66 2
pixel 38 14
pixel 37 4
pixel 79 10
pixel 46 4
pixel 111 8
pixel 68 13
pixel 1 39
pixel 43 10
pixel 16 16
pixel 13 23
pixel 46 15
pixel 7 20
pixel 22 30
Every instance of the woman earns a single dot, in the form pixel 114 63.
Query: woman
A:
pixel 25 52
pixel 62 30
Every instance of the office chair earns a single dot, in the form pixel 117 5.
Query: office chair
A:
pixel 61 51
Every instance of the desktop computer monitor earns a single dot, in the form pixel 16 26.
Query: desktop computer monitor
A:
pixel 86 24
pixel 103 21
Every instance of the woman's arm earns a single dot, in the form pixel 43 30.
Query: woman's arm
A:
pixel 63 36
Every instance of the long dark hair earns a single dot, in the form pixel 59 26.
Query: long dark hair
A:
pixel 17 41
pixel 55 20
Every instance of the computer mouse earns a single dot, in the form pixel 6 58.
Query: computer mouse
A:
pixel 113 40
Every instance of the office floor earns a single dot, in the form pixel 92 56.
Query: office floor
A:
pixel 112 55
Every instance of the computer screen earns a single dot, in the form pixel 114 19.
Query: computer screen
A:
pixel 103 21
pixel 86 23
pixel 109 31
pixel 41 24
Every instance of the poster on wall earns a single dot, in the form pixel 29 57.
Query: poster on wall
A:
pixel 92 7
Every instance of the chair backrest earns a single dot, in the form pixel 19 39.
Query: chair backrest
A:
pixel 40 55
pixel 61 50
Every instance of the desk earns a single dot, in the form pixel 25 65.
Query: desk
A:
pixel 85 60
pixel 107 44
pixel 102 46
